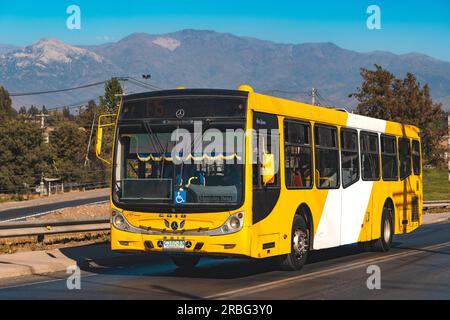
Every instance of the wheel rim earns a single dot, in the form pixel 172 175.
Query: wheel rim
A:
pixel 300 240
pixel 387 231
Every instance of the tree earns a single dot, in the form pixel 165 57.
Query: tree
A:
pixel 6 109
pixel 23 110
pixel 384 96
pixel 87 115
pixel 23 156
pixel 110 101
pixel 68 148
pixel 109 104
pixel 32 111
pixel 66 113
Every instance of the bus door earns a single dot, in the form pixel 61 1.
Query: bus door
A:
pixel 356 191
pixel 407 183
pixel 410 175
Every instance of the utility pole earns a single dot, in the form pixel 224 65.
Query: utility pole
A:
pixel 122 84
pixel 313 96
pixel 42 116
pixel 41 185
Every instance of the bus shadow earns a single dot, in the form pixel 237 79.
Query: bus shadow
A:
pixel 241 268
pixel 160 265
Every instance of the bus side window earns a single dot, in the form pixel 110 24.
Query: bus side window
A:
pixel 370 156
pixel 404 149
pixel 298 155
pixel 350 157
pixel 265 141
pixel 327 157
pixel 417 166
pixel 389 158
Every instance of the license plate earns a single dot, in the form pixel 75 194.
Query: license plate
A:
pixel 173 245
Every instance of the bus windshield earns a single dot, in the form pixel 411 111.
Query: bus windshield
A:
pixel 155 165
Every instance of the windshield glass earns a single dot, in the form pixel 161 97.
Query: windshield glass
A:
pixel 173 165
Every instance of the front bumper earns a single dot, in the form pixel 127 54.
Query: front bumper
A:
pixel 231 244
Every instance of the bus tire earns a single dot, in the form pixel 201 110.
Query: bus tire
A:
pixel 383 244
pixel 185 262
pixel 300 239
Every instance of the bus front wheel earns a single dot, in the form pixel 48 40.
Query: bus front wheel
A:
pixel 299 246
pixel 185 262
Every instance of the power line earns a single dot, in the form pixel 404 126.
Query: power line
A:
pixel 326 100
pixel 127 78
pixel 306 93
pixel 75 105
pixel 144 84
pixel 56 91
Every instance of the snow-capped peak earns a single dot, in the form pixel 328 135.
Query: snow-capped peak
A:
pixel 168 43
pixel 52 50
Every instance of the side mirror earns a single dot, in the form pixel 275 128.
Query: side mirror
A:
pixel 104 121
pixel 268 168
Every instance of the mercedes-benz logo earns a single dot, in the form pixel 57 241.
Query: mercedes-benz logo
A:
pixel 174 225
pixel 180 113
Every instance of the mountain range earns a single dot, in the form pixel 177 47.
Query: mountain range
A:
pixel 201 58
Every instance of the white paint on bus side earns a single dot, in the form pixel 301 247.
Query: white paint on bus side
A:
pixel 328 231
pixel 345 209
pixel 355 200
pixel 365 123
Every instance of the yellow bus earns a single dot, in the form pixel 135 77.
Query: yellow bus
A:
pixel 302 178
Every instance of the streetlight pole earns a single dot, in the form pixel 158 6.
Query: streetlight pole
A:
pixel 146 77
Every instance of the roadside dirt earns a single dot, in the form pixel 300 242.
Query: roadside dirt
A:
pixel 95 211
pixel 76 213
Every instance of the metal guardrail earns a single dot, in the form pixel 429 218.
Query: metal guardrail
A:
pixel 437 204
pixel 41 229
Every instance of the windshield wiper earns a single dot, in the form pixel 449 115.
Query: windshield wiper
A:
pixel 152 136
pixel 156 144
pixel 193 143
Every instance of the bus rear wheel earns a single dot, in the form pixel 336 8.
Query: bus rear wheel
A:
pixel 383 244
pixel 185 262
pixel 299 246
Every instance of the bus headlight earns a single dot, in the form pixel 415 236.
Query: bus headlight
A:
pixel 233 224
pixel 119 221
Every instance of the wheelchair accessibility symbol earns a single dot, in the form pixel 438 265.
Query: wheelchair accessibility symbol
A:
pixel 180 197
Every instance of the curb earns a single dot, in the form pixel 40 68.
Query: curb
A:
pixel 52 261
pixel 431 218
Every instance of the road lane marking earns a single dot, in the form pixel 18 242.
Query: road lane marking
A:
pixel 318 274
pixel 51 211
pixel 43 281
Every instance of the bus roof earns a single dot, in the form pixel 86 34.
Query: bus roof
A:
pixel 328 115
pixel 290 108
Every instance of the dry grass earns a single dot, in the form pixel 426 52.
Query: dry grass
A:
pixel 76 213
pixel 21 244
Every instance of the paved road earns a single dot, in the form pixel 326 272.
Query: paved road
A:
pixel 17 210
pixel 418 267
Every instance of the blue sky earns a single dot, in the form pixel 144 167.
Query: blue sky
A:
pixel 407 26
